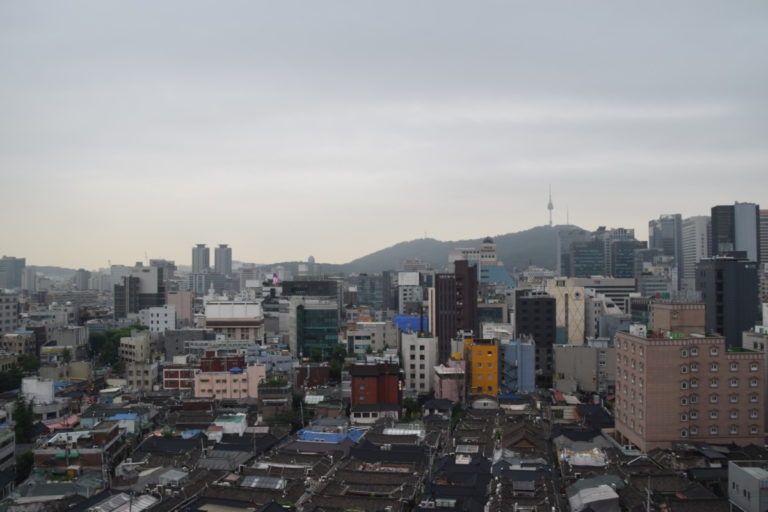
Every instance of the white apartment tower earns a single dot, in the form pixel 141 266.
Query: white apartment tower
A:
pixel 419 360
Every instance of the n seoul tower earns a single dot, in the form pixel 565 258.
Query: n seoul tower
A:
pixel 550 206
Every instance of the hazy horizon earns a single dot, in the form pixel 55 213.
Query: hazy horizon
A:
pixel 337 129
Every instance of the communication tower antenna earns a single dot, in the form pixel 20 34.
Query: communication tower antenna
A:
pixel 550 206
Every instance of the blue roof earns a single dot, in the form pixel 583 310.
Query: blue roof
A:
pixel 235 370
pixel 23 331
pixel 510 397
pixel 410 323
pixel 188 434
pixel 125 416
pixel 328 437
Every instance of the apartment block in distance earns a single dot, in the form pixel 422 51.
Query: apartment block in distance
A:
pixel 673 387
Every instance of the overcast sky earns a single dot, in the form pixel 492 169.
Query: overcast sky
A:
pixel 336 128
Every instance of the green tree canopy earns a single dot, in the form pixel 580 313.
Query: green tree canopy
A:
pixel 24 421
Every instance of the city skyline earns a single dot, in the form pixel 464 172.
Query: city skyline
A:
pixel 337 130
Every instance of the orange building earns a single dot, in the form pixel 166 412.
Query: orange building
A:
pixel 482 358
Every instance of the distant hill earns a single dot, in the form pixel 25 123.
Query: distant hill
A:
pixel 535 246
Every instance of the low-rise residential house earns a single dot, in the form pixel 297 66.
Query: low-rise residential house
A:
pixel 233 384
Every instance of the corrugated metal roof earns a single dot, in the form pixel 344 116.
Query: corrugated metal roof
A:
pixel 264 482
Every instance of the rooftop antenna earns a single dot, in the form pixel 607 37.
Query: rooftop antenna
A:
pixel 550 206
pixel 567 216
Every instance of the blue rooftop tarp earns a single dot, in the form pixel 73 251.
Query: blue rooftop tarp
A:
pixel 189 434
pixel 328 437
pixel 125 416
pixel 410 323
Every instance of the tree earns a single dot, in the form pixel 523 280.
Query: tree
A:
pixel 411 406
pixel 29 363
pixel 11 379
pixel 67 355
pixel 338 356
pixel 24 463
pixel 24 421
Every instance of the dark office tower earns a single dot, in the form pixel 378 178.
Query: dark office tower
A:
pixel 11 271
pixel 223 263
pixel 445 314
pixel 311 288
pixel 622 264
pixel 565 238
pixel 728 288
pixel 126 297
pixel 587 259
pixel 389 293
pixel 143 288
pixel 370 291
pixel 455 305
pixel 466 296
pixel 763 268
pixel 736 228
pixel 666 233
pixel 535 316
pixel 201 259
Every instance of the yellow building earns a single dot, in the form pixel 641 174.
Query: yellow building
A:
pixel 482 358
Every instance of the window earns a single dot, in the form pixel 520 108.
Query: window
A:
pixel 713 351
pixel 694 351
pixel 713 414
pixel 733 414
pixel 734 383
pixel 753 399
pixel 753 382
pixel 479 365
pixel 683 401
pixel 694 415
pixel 683 353
pixel 753 429
pixel 683 384
pixel 694 399
pixel 683 417
pixel 733 430
pixel 694 431
pixel 753 414
pixel 734 399
pixel 713 399
pixel 694 367
pixel 713 383
pixel 684 369
pixel 713 430
pixel 694 383
pixel 683 433
pixel 713 367
pixel 753 367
